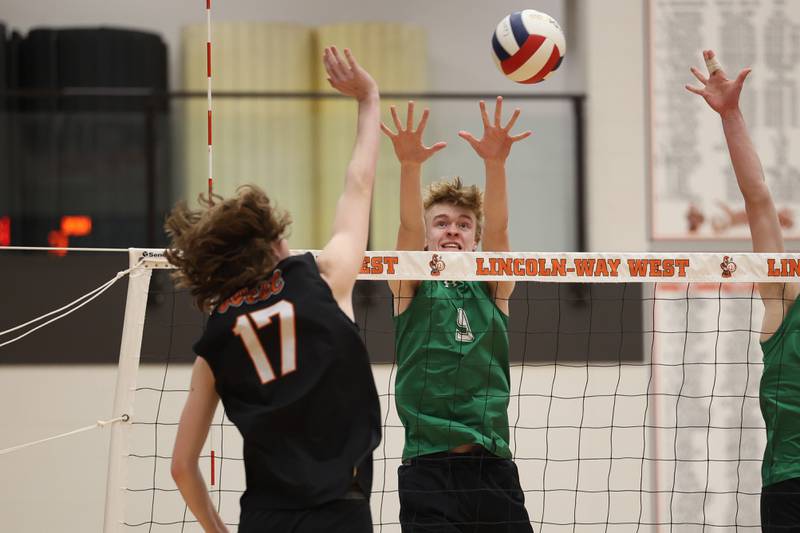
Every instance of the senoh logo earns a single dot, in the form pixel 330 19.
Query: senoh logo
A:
pixel 152 254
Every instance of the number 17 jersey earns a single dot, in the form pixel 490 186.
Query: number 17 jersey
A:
pixel 294 376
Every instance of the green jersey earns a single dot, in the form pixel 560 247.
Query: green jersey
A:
pixel 780 400
pixel 452 385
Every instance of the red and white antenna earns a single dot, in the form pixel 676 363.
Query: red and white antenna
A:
pixel 210 181
pixel 208 69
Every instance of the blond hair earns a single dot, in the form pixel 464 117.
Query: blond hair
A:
pixel 453 192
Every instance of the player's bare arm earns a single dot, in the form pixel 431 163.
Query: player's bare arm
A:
pixel 192 432
pixel 340 259
pixel 411 152
pixel 494 147
pixel 722 95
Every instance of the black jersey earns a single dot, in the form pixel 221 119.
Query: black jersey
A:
pixel 294 377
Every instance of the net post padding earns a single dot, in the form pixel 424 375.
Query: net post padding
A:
pixel 130 348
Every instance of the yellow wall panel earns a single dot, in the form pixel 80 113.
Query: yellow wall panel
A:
pixel 267 142
pixel 396 56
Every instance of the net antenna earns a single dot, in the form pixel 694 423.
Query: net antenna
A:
pixel 212 434
pixel 208 92
pixel 130 349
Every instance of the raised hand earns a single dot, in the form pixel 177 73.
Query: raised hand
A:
pixel 721 93
pixel 407 142
pixel 495 145
pixel 348 77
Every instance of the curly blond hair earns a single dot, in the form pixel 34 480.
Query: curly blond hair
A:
pixel 226 245
pixel 455 193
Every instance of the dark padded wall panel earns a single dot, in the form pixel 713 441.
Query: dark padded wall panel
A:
pixel 3 61
pixel 5 165
pixel 102 57
pixel 88 155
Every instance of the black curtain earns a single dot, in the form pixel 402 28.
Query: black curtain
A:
pixel 5 164
pixel 104 156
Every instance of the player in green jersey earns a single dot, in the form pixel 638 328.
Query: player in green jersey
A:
pixel 780 333
pixel 452 385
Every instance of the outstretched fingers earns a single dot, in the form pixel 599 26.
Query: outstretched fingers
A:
pixel 389 133
pixel 697 74
pixel 695 90
pixel 326 61
pixel 484 115
pixel 713 65
pixel 498 111
pixel 437 146
pixel 467 136
pixel 743 76
pixel 338 65
pixel 350 59
pixel 423 121
pixel 410 116
pixel 512 120
pixel 523 135
pixel 396 119
pixel 336 71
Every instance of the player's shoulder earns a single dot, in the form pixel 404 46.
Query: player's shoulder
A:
pixel 780 307
pixel 305 259
pixel 297 268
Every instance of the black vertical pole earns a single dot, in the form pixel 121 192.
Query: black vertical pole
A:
pixel 150 168
pixel 580 173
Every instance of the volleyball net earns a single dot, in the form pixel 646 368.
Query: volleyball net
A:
pixel 634 389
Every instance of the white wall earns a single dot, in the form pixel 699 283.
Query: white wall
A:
pixel 58 486
pixel 616 140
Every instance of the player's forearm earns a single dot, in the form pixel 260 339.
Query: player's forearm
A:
pixel 746 164
pixel 364 160
pixel 193 489
pixel 762 216
pixel 495 201
pixel 411 210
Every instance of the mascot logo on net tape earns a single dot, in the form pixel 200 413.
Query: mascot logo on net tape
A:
pixel 728 266
pixel 437 265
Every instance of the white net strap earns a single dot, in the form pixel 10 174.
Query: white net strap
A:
pixel 563 267
pixel 65 310
pixel 97 425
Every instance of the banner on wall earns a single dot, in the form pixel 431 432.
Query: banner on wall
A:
pixel 693 192
pixel 709 439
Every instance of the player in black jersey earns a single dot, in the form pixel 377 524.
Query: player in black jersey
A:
pixel 281 349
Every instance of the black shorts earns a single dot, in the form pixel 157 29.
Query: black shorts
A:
pixel 339 516
pixel 780 507
pixel 453 493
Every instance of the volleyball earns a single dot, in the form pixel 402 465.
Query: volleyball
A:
pixel 528 46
